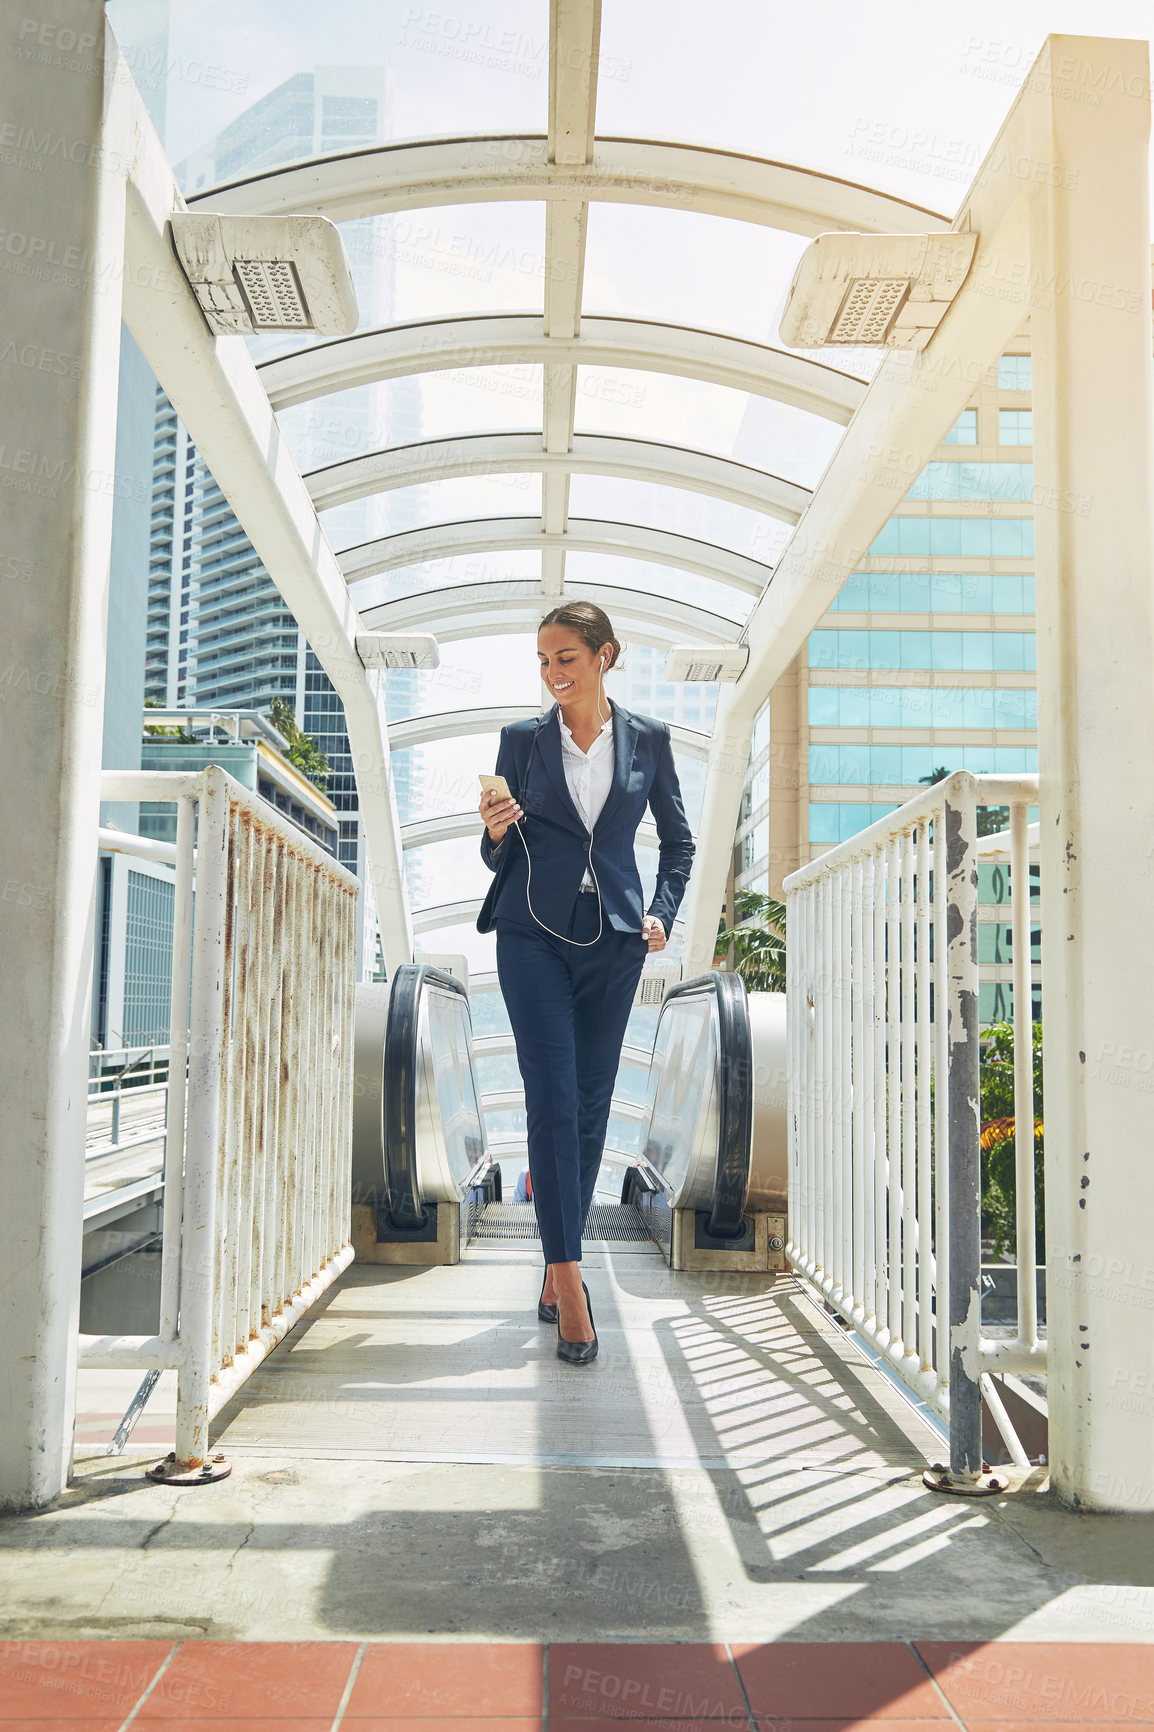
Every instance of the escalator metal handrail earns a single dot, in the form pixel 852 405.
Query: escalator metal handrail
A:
pixel 735 1096
pixel 399 1102
pixel 399 1107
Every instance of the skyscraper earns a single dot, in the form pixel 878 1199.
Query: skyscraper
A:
pixel 219 633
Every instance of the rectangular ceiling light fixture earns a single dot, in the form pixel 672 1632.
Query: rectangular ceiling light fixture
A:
pixel 385 649
pixel 889 291
pixel 265 273
pixel 706 661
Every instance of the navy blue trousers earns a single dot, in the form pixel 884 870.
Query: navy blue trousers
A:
pixel 568 1009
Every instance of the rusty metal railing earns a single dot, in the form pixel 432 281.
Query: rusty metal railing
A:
pixel 257 1185
pixel 884 1113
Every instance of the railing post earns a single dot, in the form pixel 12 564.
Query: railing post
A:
pixel 965 1220
pixel 205 1072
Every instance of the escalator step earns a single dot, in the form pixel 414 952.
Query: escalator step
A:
pixel 617 1223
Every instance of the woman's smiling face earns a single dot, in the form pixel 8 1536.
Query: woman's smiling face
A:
pixel 569 668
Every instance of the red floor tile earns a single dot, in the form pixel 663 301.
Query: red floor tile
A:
pixel 223 1681
pixel 733 1724
pixel 399 1680
pixel 866 1723
pixel 48 1681
pixel 681 1681
pixel 448 1723
pixel 1065 1683
pixel 837 1680
pixel 247 1723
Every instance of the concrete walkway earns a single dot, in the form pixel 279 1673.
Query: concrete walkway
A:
pixel 414 1462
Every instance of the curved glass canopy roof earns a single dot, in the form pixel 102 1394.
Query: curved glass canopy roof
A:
pixel 566 378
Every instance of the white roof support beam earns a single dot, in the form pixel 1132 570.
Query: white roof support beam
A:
pixel 413 547
pixel 517 606
pixel 213 385
pixel 489 719
pixel 453 724
pixel 519 339
pixel 574 48
pixel 621 171
pixel 592 454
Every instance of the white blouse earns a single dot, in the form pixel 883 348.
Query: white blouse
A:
pixel 588 775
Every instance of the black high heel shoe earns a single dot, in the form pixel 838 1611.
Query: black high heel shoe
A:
pixel 578 1352
pixel 545 1313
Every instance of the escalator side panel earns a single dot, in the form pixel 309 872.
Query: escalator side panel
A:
pixel 700 1100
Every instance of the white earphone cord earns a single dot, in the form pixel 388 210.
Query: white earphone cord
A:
pixel 578 943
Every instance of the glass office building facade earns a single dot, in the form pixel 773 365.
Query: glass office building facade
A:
pixel 923 663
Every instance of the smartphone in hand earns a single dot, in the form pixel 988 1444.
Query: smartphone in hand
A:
pixel 495 785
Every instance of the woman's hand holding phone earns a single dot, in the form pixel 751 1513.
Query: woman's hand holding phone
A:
pixel 498 807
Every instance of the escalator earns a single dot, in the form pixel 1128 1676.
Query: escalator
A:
pixel 710 1176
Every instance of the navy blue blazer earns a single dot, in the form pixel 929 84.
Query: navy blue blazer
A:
pixel 530 759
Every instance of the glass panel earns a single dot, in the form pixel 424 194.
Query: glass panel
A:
pixel 660 581
pixel 465 498
pixel 490 671
pixel 442 776
pixel 832 821
pixel 684 268
pixel 1014 481
pixel 1015 373
pixel 753 430
pixel 405 411
pixel 681 510
pixel 523 566
pixel 964 430
pixel 1015 426
pixel 921 707
pixel 913 112
pixel 234 88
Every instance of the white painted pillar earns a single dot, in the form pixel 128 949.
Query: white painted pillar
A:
pixel 60 274
pixel 720 812
pixel 1094 462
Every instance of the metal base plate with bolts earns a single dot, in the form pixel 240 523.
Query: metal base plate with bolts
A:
pixel 173 1472
pixel 986 1484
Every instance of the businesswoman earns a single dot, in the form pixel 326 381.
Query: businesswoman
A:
pixel 572 933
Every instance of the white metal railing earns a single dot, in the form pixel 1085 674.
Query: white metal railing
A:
pixel 884 1091
pixel 257 1175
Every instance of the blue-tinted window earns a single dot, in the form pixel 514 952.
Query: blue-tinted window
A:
pixel 936 592
pixel 951 537
pixel 979 651
pixel 1016 373
pixel 974 481
pixel 964 430
pixel 835 822
pixel 864 766
pixel 1015 426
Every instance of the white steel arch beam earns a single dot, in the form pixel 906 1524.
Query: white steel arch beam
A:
pixel 488 719
pixel 451 171
pixel 591 454
pixel 519 339
pixel 494 609
pixel 462 913
pixel 581 535
pixel 451 724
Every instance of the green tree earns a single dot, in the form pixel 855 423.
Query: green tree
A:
pixel 758 940
pixel 999 1182
pixel 154 731
pixel 301 749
